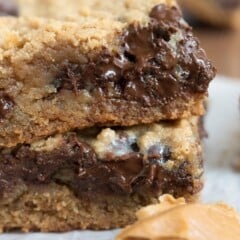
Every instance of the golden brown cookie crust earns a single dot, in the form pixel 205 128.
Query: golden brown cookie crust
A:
pixel 58 75
pixel 54 208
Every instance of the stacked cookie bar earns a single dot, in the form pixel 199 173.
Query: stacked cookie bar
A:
pixel 100 109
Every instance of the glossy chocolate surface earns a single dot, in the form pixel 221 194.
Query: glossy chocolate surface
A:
pixel 155 64
pixel 75 164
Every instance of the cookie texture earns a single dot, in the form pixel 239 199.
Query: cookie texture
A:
pixel 60 75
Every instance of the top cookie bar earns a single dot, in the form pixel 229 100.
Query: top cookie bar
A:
pixel 139 65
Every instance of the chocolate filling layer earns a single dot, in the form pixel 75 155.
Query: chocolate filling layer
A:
pixel 75 164
pixel 154 65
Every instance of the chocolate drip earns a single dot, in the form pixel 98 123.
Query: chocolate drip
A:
pixel 154 64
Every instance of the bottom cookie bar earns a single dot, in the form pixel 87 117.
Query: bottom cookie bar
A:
pixel 54 208
pixel 98 178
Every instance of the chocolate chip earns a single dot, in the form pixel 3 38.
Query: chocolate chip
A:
pixel 159 153
pixel 6 104
pixel 135 147
pixel 69 78
pixel 130 57
pixel 161 12
pixel 85 156
pixel 30 204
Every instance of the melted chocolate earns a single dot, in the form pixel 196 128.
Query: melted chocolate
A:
pixel 8 7
pixel 159 153
pixel 6 104
pixel 150 68
pixel 151 65
pixel 75 164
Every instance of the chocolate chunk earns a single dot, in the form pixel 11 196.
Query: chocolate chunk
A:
pixel 6 104
pixel 69 79
pixel 159 153
pixel 154 65
pixel 162 14
pixel 8 7
pixel 135 147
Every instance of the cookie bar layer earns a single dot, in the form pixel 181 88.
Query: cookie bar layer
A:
pixel 121 169
pixel 56 76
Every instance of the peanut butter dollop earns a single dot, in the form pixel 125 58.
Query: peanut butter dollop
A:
pixel 174 219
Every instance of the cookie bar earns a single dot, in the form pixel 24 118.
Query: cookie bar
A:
pixel 142 66
pixel 221 13
pixel 99 177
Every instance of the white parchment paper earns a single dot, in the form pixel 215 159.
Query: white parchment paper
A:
pixel 222 148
